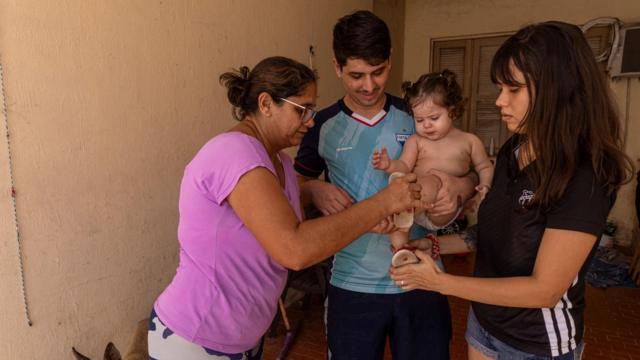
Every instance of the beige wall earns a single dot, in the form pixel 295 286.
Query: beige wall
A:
pixel 107 101
pixel 392 12
pixel 429 19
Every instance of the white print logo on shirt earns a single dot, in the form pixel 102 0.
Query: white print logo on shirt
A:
pixel 344 148
pixel 525 197
pixel 401 138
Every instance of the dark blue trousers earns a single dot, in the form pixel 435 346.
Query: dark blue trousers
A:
pixel 418 324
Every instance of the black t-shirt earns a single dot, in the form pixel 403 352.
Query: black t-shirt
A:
pixel 509 235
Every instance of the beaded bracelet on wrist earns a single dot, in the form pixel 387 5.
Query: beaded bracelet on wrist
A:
pixel 435 246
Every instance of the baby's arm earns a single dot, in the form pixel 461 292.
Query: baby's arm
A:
pixel 381 160
pixel 482 165
pixel 409 153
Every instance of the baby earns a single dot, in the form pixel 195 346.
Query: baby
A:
pixel 434 101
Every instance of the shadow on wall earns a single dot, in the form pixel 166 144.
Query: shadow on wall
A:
pixel 137 348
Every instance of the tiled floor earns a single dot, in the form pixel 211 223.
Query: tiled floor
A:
pixel 612 320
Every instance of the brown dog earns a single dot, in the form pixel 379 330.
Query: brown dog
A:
pixel 137 350
pixel 110 353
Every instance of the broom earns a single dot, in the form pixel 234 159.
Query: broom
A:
pixel 291 332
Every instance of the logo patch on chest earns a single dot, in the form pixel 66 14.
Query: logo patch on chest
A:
pixel 401 138
pixel 526 197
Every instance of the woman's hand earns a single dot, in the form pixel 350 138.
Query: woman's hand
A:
pixel 402 194
pixel 482 191
pixel 425 275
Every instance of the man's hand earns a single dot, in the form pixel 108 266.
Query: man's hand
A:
pixel 447 201
pixel 386 226
pixel 328 198
pixel 453 193
pixel 423 244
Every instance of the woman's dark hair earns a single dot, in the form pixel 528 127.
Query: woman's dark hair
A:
pixel 278 76
pixel 442 87
pixel 571 117
pixel 361 35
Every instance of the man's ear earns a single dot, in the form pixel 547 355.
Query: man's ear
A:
pixel 265 102
pixel 337 67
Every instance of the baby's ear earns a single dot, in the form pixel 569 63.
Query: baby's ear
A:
pixel 452 113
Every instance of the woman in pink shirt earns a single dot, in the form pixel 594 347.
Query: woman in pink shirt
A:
pixel 241 226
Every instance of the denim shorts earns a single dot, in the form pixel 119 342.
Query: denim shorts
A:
pixel 480 339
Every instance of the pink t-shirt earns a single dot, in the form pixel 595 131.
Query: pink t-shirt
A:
pixel 225 291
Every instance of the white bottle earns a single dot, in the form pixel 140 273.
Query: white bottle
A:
pixel 404 219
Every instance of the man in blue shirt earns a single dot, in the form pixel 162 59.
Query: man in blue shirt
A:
pixel 364 306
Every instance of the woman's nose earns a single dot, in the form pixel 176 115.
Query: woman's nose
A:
pixel 501 100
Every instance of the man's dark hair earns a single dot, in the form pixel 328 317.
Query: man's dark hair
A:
pixel 361 35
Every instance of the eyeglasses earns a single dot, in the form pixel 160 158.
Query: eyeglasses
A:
pixel 306 113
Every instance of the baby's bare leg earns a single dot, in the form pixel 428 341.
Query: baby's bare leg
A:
pixel 398 239
pixel 431 184
pixel 456 187
pixel 402 255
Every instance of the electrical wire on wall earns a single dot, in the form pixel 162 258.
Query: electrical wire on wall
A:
pixel 609 55
pixel 615 25
pixel 312 53
pixel 312 50
pixel 13 196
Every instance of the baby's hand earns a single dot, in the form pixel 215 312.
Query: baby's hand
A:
pixel 380 159
pixel 482 191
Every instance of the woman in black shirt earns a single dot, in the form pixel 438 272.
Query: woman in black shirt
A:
pixel 554 184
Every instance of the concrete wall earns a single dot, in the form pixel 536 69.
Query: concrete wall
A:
pixel 432 19
pixel 107 101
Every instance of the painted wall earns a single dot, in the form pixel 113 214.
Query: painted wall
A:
pixel 107 101
pixel 433 19
pixel 392 12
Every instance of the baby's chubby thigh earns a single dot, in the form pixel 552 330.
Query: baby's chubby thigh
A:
pixel 430 184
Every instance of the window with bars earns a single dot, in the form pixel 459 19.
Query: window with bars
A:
pixel 470 59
